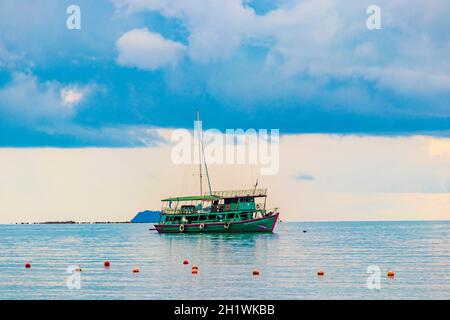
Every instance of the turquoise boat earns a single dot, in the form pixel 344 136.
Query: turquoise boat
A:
pixel 222 211
pixel 219 211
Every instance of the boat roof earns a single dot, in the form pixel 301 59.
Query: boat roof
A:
pixel 216 195
pixel 192 198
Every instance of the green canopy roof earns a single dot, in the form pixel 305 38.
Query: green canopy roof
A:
pixel 192 198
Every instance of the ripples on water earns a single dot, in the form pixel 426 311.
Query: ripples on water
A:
pixel 418 252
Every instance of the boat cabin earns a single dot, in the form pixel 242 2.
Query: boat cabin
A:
pixel 220 206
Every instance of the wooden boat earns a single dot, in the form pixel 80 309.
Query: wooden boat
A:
pixel 218 211
pixel 223 211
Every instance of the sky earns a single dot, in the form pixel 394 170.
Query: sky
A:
pixel 310 68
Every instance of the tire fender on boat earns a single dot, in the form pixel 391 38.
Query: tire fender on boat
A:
pixel 181 227
pixel 202 226
pixel 226 225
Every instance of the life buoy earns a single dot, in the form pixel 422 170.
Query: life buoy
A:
pixel 201 226
pixel 181 227
pixel 226 225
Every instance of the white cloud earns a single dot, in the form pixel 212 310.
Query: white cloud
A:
pixel 10 60
pixel 216 27
pixel 440 148
pixel 368 164
pixel 322 38
pixel 74 95
pixel 113 136
pixel 26 99
pixel 6 57
pixel 148 50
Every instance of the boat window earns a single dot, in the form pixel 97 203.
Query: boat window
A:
pixel 187 208
pixel 245 215
pixel 231 200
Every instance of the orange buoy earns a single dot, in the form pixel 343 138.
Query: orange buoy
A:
pixel 78 269
pixel 255 272
pixel 320 273
pixel 194 267
pixel 185 262
pixel 27 265
pixel 391 274
pixel 107 264
pixel 194 271
pixel 135 270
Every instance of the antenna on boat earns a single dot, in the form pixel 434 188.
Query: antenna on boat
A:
pixel 256 184
pixel 202 153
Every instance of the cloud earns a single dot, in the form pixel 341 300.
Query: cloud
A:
pixel 108 136
pixel 304 177
pixel 6 57
pixel 148 50
pixel 301 66
pixel 366 164
pixel 216 28
pixel 73 95
pixel 369 178
pixel 11 61
pixel 440 148
pixel 317 42
pixel 26 99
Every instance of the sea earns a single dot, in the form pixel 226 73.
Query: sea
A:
pixel 353 256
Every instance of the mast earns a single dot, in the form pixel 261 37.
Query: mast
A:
pixel 206 169
pixel 201 151
pixel 200 147
pixel 256 184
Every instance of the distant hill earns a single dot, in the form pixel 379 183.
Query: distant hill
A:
pixel 146 216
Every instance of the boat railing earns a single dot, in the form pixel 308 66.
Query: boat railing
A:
pixel 241 193
pixel 181 211
pixel 207 211
pixel 220 217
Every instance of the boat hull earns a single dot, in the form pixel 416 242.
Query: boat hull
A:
pixel 264 224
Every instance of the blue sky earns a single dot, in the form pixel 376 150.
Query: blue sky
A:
pixel 300 66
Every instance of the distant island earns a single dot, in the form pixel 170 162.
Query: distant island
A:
pixel 73 222
pixel 146 216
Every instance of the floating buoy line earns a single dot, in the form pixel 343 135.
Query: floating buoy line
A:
pixel 195 269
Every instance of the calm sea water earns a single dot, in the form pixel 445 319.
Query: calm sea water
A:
pixel 418 252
